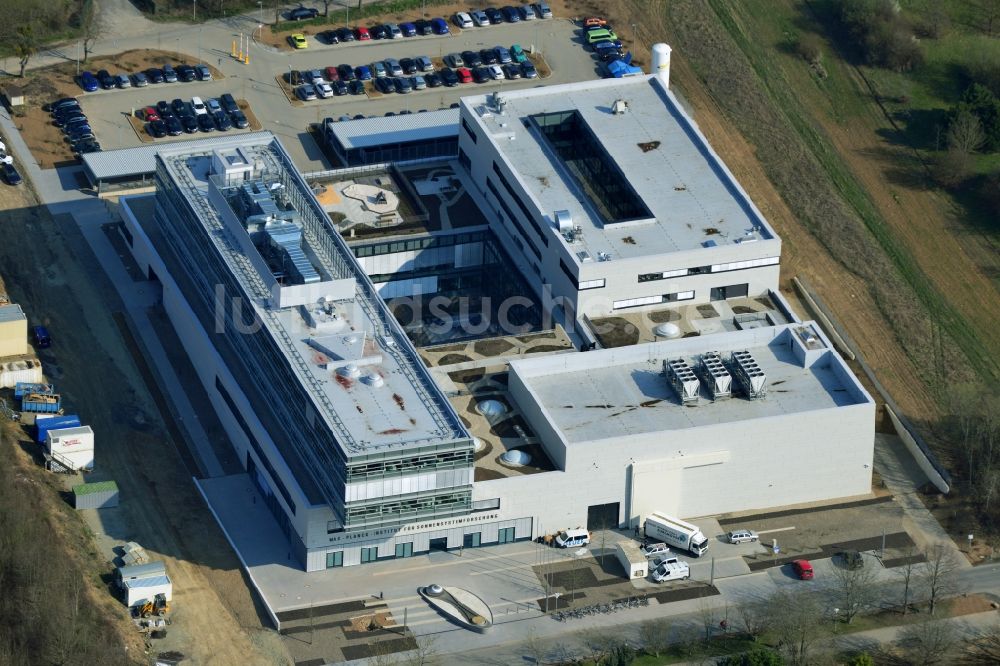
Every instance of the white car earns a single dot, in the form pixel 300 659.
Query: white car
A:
pixel 742 536
pixel 463 20
pixel 479 17
pixel 655 549
pixel 198 106
pixel 671 569
pixel 324 89
pixel 496 72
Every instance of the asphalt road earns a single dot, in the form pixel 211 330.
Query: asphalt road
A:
pixel 556 39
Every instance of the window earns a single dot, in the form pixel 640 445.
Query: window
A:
pixel 568 273
pixel 464 160
pixel 486 505
pixel 740 265
pixel 679 296
pixel 369 554
pixel 513 220
pixel 404 549
pixel 332 526
pixel 469 131
pixel 472 540
pixel 592 284
pixel 520 204
pixel 506 534
pixel 649 277
pixel 636 302
pixel 335 559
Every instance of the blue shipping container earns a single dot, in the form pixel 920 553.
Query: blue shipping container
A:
pixel 55 423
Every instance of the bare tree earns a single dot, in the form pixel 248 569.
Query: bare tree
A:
pixel 797 624
pixel 90 28
pixel 929 643
pixel 655 636
pixel 909 574
pixel 425 653
pixel 754 619
pixel 991 14
pixel 381 655
pixel 534 646
pixel 965 132
pixel 939 574
pixel 707 615
pixel 855 589
pixel 985 647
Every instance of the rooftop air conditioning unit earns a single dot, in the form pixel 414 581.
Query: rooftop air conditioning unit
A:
pixel 620 107
pixel 564 221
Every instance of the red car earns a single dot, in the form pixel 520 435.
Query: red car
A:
pixel 149 114
pixel 362 34
pixel 331 74
pixel 803 569
pixel 464 74
pixel 594 21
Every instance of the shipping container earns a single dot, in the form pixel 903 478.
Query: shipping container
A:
pixel 45 423
pixel 135 572
pixel 140 590
pixel 102 495
pixel 42 403
pixel 27 371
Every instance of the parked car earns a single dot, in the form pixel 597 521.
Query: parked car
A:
pixel 392 67
pixel 385 85
pixel 190 123
pixel 89 146
pixel 313 76
pixel 409 65
pixel 482 74
pixel 298 40
pixel 379 32
pixel 464 75
pixel 496 72
pixel 345 34
pixel 424 64
pixel 511 70
pixel 511 15
pixel 379 70
pixel 178 105
pixel 462 20
pixel 363 72
pixel 494 15
pixel 149 114
pixel 433 80
pixel 454 60
pixel 64 103
pixel 503 55
pixel 213 105
pixel 362 34
pixel 174 126
pixel 157 129
pixel 339 87
pixel 356 87
pixel 471 59
pixel 222 121
pixel 741 536
pixel 164 109
pixel 594 21
pixel 306 92
pixel 395 32
pixel 239 119
pixel 303 13
pixel 449 77
pixel 203 72
pixel 70 117
pixel 655 549
pixel 331 74
pixel 527 13
pixel 403 84
pixel 186 73
pixel 328 37
pixel 517 53
pixel 439 26
pixel 78 130
pixel 408 29
pixel 323 89
pixel 489 57
pixel 12 177
pixel 155 75
pixel 169 74
pixel 803 569
pixel 140 80
pixel 423 27
pixel 106 80
pixel 419 82
pixel 346 72
pixel 479 17
pixel 198 106
pixel 542 10
pixel 206 123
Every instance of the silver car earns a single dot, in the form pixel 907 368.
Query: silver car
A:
pixel 742 536
pixel 306 92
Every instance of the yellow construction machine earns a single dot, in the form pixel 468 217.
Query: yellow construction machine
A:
pixel 158 606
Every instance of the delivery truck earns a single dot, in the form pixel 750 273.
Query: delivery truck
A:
pixel 675 532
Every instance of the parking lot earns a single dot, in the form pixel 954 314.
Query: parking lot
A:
pixel 557 39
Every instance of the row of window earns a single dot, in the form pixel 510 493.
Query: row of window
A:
pixel 513 220
pixel 444 240
pixel 520 204
pixel 714 268
pixel 653 300
pixel 405 549
pixel 428 505
pixel 436 461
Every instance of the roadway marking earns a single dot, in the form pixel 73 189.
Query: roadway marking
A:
pixel 457 561
pixel 776 529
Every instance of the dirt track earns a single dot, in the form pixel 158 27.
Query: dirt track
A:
pixel 49 270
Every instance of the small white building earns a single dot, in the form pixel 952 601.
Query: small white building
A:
pixel 71 448
pixel 140 590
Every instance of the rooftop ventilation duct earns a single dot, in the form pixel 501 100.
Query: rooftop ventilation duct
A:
pixel 748 374
pixel 682 378
pixel 718 381
pixel 287 237
pixel 564 221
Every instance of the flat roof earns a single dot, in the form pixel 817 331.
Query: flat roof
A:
pixel 623 391
pixel 406 128
pixel 111 164
pixel 362 373
pixel 694 200
pixel 11 312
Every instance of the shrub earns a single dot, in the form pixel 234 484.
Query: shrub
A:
pixel 810 47
pixel 885 37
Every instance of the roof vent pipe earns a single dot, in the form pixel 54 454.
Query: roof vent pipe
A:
pixel 661 63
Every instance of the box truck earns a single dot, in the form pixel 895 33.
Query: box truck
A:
pixel 632 559
pixel 675 532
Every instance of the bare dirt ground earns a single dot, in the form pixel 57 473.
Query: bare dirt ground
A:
pixel 42 86
pixel 49 271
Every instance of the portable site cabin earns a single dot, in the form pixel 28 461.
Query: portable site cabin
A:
pixel 70 448
pixel 632 559
pixel 102 495
pixel 141 582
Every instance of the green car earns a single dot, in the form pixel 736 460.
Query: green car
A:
pixel 517 53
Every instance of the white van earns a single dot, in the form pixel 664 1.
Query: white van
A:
pixel 573 538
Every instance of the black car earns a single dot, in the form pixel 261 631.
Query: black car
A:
pixel 106 80
pixel 356 87
pixel 433 80
pixel 62 115
pixel 174 126
pixel 329 36
pixel 424 27
pixel 68 118
pixel 380 32
pixel 448 77
pixel 481 75
pixel 409 65
pixel 189 122
pixel 157 129
pixel 228 103
pixel 303 13
pixel 79 132
pixel 489 57
pixel 222 121
pixel 74 123
pixel 169 74
pixel 339 87
pixel 512 71
pixel 88 146
pixel 239 119
pixel 64 103
pixel 345 34
pixel 510 14
pixel 178 105
pixel 610 55
pixel 162 107
pixel 494 15
pixel 11 175
pixel 186 73
pixel 205 123
pixel 472 59
pixel 346 73
pixel 384 85
pixel 403 84
pixel 155 75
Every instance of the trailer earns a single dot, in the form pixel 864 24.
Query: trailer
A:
pixel 632 559
pixel 139 571
pixel 675 532
pixel 45 423
pixel 139 591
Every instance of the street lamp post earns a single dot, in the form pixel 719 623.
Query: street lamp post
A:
pixel 194 10
pixel 260 6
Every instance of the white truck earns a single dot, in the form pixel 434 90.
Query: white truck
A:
pixel 632 559
pixel 671 568
pixel 675 532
